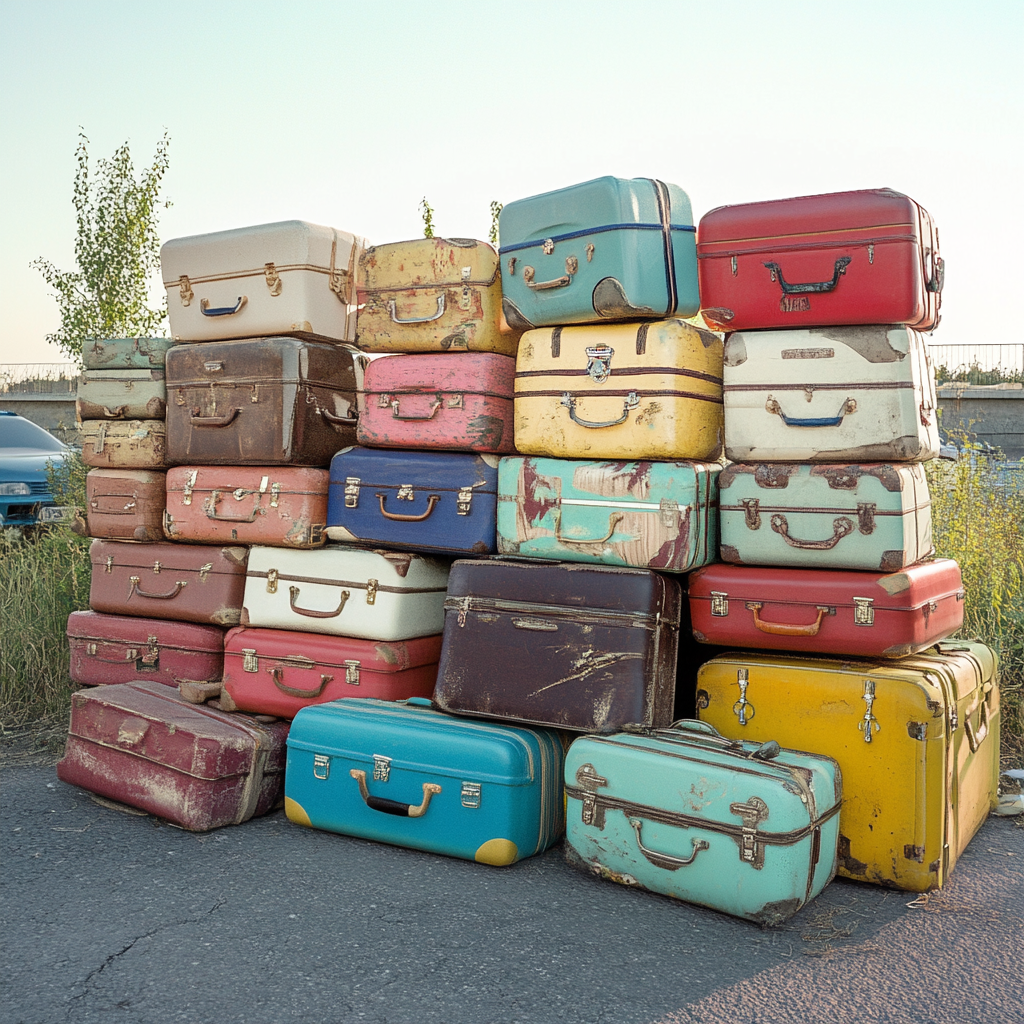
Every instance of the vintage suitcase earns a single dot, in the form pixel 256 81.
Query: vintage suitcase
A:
pixel 121 395
pixel 275 505
pixel 260 401
pixel 432 295
pixel 120 648
pixel 607 249
pixel 620 391
pixel 347 591
pixel 124 444
pixel 139 743
pixel 286 278
pixel 657 515
pixel 457 402
pixel 859 394
pixel 416 501
pixel 578 647
pixel 752 826
pixel 181 582
pixel 279 671
pixel 867 257
pixel 124 504
pixel 874 516
pixel 917 740
pixel 481 791
pixel 124 353
pixel 888 615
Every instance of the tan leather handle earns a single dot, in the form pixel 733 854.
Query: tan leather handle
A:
pixel 277 674
pixel 841 527
pixel 377 803
pixel 613 521
pixel 398 517
pixel 214 421
pixel 309 612
pixel 136 589
pixel 976 736
pixel 787 628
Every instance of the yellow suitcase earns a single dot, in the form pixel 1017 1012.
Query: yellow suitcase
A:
pixel 620 391
pixel 917 740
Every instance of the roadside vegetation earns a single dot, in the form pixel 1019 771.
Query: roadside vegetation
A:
pixel 974 374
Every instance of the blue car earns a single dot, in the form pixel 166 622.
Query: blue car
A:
pixel 25 450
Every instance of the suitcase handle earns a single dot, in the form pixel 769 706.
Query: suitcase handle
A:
pixel 430 415
pixel 806 289
pixel 400 518
pixel 542 286
pixel 613 521
pixel 125 509
pixel 210 508
pixel 204 307
pixel 309 612
pixel 849 406
pixel 787 628
pixel 170 595
pixel 976 736
pixel 377 803
pixel 631 402
pixel 841 527
pixel 341 421
pixel 277 674
pixel 396 319
pixel 214 421
pixel 665 860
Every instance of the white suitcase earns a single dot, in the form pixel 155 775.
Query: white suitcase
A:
pixel 291 278
pixel 347 591
pixel 829 394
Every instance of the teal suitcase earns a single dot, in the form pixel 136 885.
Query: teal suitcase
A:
pixel 125 353
pixel 651 515
pixel 607 249
pixel 745 828
pixel 407 774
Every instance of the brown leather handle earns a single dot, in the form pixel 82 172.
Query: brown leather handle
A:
pixel 214 421
pixel 341 421
pixel 309 612
pixel 841 526
pixel 787 628
pixel 210 508
pixel 136 589
pixel 613 521
pixel 126 509
pixel 398 517
pixel 277 674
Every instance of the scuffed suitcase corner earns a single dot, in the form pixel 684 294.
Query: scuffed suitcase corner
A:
pixel 771 915
pixel 499 853
pixel 513 316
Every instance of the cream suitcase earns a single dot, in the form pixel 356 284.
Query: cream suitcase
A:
pixel 291 278
pixel 348 591
pixel 830 394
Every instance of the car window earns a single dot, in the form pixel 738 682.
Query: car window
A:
pixel 16 432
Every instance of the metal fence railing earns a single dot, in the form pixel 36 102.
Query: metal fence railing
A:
pixel 39 378
pixel 985 355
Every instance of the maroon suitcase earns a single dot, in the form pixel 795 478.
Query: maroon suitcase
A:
pixel 140 744
pixel 183 582
pixel 278 671
pixel 119 648
pixel 828 611
pixel 123 504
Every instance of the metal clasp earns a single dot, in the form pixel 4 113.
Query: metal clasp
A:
pixel 589 781
pixel 156 568
pixel 275 492
pixel 351 491
pixel 464 501
pixel 272 575
pixel 406 493
pixel 204 571
pixel 719 603
pixel 273 280
pixel 548 246
pixel 464 300
pixel 185 290
pixel 599 359
pixel 869 722
pixel 752 512
pixel 110 564
pixel 753 812
pixel 669 512
pixel 371 591
pixel 743 709
pixel 250 662
pixel 186 494
pixel 863 611
pixel 572 265
pixel 866 516
pixel 352 672
pixel 321 766
pixel 383 401
pixel 471 794
pixel 381 768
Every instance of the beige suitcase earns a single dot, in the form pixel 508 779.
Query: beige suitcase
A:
pixel 124 444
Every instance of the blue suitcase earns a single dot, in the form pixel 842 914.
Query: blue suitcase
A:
pixel 407 774
pixel 413 500
pixel 607 249
pixel 745 828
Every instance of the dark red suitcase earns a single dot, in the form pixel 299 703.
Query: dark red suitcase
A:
pixel 278 671
pixel 123 504
pixel 826 611
pixel 199 767
pixel 119 648
pixel 183 582
pixel 866 257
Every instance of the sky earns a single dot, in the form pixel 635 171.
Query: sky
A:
pixel 347 114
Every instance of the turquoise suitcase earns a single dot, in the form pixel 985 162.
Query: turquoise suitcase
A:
pixel 407 774
pixel 607 249
pixel 745 828
pixel 125 353
pixel 652 515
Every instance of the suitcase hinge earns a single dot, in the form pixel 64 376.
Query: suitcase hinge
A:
pixel 371 591
pixel 186 494
pixel 735 267
pixel 321 766
pixel 589 781
pixel 465 299
pixel 406 493
pixel 204 571
pixel 871 253
pixel 719 603
pixel 754 811
pixel 109 567
pixel 250 661
pixel 381 768
pixel 669 511
pixel 869 723
pixel 351 491
pixel 866 516
pixel 471 794
pixel 572 265
pixel 954 718
pixel 185 290
pixel 273 280
pixel 752 513
pixel 863 611
pixel 464 501
pixel 272 581
pixel 352 673
pixel 743 709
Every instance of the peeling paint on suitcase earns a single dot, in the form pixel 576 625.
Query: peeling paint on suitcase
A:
pixel 124 444
pixel 125 353
pixel 124 504
pixel 121 395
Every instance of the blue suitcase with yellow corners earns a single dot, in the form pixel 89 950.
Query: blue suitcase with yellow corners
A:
pixel 607 249
pixel 407 774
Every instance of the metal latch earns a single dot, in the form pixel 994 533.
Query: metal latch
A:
pixel 186 495
pixel 454 402
pixel 250 663
pixel 719 603
pixel 753 812
pixel 406 493
pixel 273 279
pixel 863 611
pixel 383 401
pixel 669 512
pixel 351 491
pixel 743 709
pixel 371 591
pixel 157 567
pixel 91 649
pixel 381 767
pixel 272 581
pixel 869 722
pixel 464 501
pixel 471 794
pixel 204 571
pixel 110 564
pixel 321 766
pixel 464 300
pixel 275 492
pixel 352 673
pixel 866 516
pixel 589 781
pixel 752 513
pixel 185 290
pixel 152 655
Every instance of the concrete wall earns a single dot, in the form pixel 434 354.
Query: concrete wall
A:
pixel 55 413
pixel 993 414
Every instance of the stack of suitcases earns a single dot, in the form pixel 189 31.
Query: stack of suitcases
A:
pixel 438 520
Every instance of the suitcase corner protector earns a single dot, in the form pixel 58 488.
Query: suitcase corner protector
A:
pixel 295 812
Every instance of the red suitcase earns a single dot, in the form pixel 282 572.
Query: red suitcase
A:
pixel 277 671
pixel 199 767
pixel 120 648
pixel 123 504
pixel 183 582
pixel 458 402
pixel 867 257
pixel 279 506
pixel 826 611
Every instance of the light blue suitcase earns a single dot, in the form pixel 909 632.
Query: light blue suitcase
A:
pixel 607 249
pixel 652 515
pixel 407 774
pixel 745 828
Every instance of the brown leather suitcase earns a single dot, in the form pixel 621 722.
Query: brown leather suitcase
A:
pixel 123 444
pixel 260 402
pixel 123 504
pixel 279 506
pixel 579 647
pixel 181 582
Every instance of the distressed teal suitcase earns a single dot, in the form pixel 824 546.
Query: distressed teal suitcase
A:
pixel 607 249
pixel 652 515
pixel 125 353
pixel 407 774
pixel 745 828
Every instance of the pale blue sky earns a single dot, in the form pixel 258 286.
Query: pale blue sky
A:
pixel 347 114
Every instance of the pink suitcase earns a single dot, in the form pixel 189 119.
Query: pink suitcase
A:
pixel 453 401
